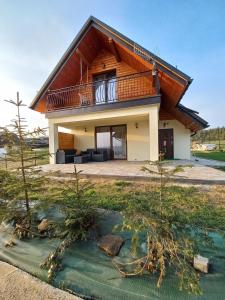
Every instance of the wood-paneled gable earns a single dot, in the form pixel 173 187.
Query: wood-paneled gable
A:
pixel 102 49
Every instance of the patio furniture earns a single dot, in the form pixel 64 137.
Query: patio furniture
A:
pixel 87 154
pixel 100 155
pixel 80 159
pixel 65 156
pixel 83 157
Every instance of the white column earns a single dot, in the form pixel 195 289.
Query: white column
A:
pixel 154 133
pixel 53 142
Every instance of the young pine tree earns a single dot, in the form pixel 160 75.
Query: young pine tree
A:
pixel 25 183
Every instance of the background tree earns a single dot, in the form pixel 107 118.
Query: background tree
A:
pixel 212 135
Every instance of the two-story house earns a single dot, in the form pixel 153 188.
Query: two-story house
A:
pixel 112 93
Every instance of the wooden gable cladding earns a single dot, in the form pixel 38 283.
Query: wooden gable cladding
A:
pixel 128 83
pixel 165 115
pixel 97 53
pixel 71 71
pixel 105 61
pixel 66 140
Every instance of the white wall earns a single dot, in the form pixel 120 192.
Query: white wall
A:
pixel 84 139
pixel 182 138
pixel 138 141
pixel 137 138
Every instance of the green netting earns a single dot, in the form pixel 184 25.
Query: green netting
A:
pixel 88 271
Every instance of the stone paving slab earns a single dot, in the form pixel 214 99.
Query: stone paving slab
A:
pixel 208 162
pixel 19 285
pixel 132 170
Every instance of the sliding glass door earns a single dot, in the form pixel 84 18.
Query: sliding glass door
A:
pixel 113 138
pixel 119 141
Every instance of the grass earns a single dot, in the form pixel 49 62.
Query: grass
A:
pixel 215 155
pixel 44 159
pixel 117 194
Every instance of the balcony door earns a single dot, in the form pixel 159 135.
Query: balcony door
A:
pixel 114 139
pixel 105 87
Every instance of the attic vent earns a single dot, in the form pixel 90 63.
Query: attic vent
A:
pixel 139 51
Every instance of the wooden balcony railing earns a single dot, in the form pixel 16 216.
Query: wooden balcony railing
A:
pixel 135 86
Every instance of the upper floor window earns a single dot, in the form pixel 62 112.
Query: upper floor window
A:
pixel 105 87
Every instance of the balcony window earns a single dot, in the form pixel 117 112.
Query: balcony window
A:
pixel 105 87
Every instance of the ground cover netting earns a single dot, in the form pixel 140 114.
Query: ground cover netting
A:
pixel 89 272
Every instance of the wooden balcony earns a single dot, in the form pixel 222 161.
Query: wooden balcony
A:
pixel 135 86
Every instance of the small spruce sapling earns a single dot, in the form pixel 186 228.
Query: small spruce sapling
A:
pixel 25 183
pixel 79 217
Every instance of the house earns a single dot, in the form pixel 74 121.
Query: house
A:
pixel 112 93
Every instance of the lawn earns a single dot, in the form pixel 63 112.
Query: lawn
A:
pixel 216 155
pixel 42 153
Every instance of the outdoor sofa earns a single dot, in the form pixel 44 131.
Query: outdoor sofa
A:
pixel 71 156
pixel 65 156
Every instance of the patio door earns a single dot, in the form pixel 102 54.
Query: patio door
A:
pixel 105 87
pixel 114 139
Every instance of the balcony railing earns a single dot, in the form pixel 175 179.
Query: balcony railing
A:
pixel 135 86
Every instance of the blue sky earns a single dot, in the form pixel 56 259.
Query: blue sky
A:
pixel 188 34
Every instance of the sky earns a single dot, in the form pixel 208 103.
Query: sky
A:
pixel 187 34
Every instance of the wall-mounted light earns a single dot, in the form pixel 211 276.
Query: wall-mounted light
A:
pixel 165 124
pixel 136 125
pixel 85 129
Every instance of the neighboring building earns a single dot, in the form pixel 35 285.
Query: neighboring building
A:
pixel 204 147
pixel 112 93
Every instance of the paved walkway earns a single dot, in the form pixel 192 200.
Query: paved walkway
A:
pixel 19 285
pixel 208 162
pixel 198 173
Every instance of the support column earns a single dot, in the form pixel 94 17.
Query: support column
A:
pixel 154 133
pixel 53 142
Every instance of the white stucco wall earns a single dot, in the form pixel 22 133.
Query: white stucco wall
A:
pixel 138 146
pixel 84 139
pixel 182 138
pixel 137 139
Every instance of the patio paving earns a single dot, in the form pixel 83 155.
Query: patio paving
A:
pixel 197 174
pixel 208 162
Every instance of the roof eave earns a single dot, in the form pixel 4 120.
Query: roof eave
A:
pixel 65 56
pixel 194 115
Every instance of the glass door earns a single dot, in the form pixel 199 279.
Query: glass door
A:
pixel 114 139
pixel 119 141
pixel 103 137
pixel 105 87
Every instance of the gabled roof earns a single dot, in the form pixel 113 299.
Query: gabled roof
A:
pixel 193 114
pixel 168 72
pixel 130 44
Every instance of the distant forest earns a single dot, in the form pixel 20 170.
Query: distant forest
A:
pixel 214 135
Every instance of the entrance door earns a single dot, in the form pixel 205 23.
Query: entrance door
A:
pixel 113 138
pixel 166 143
